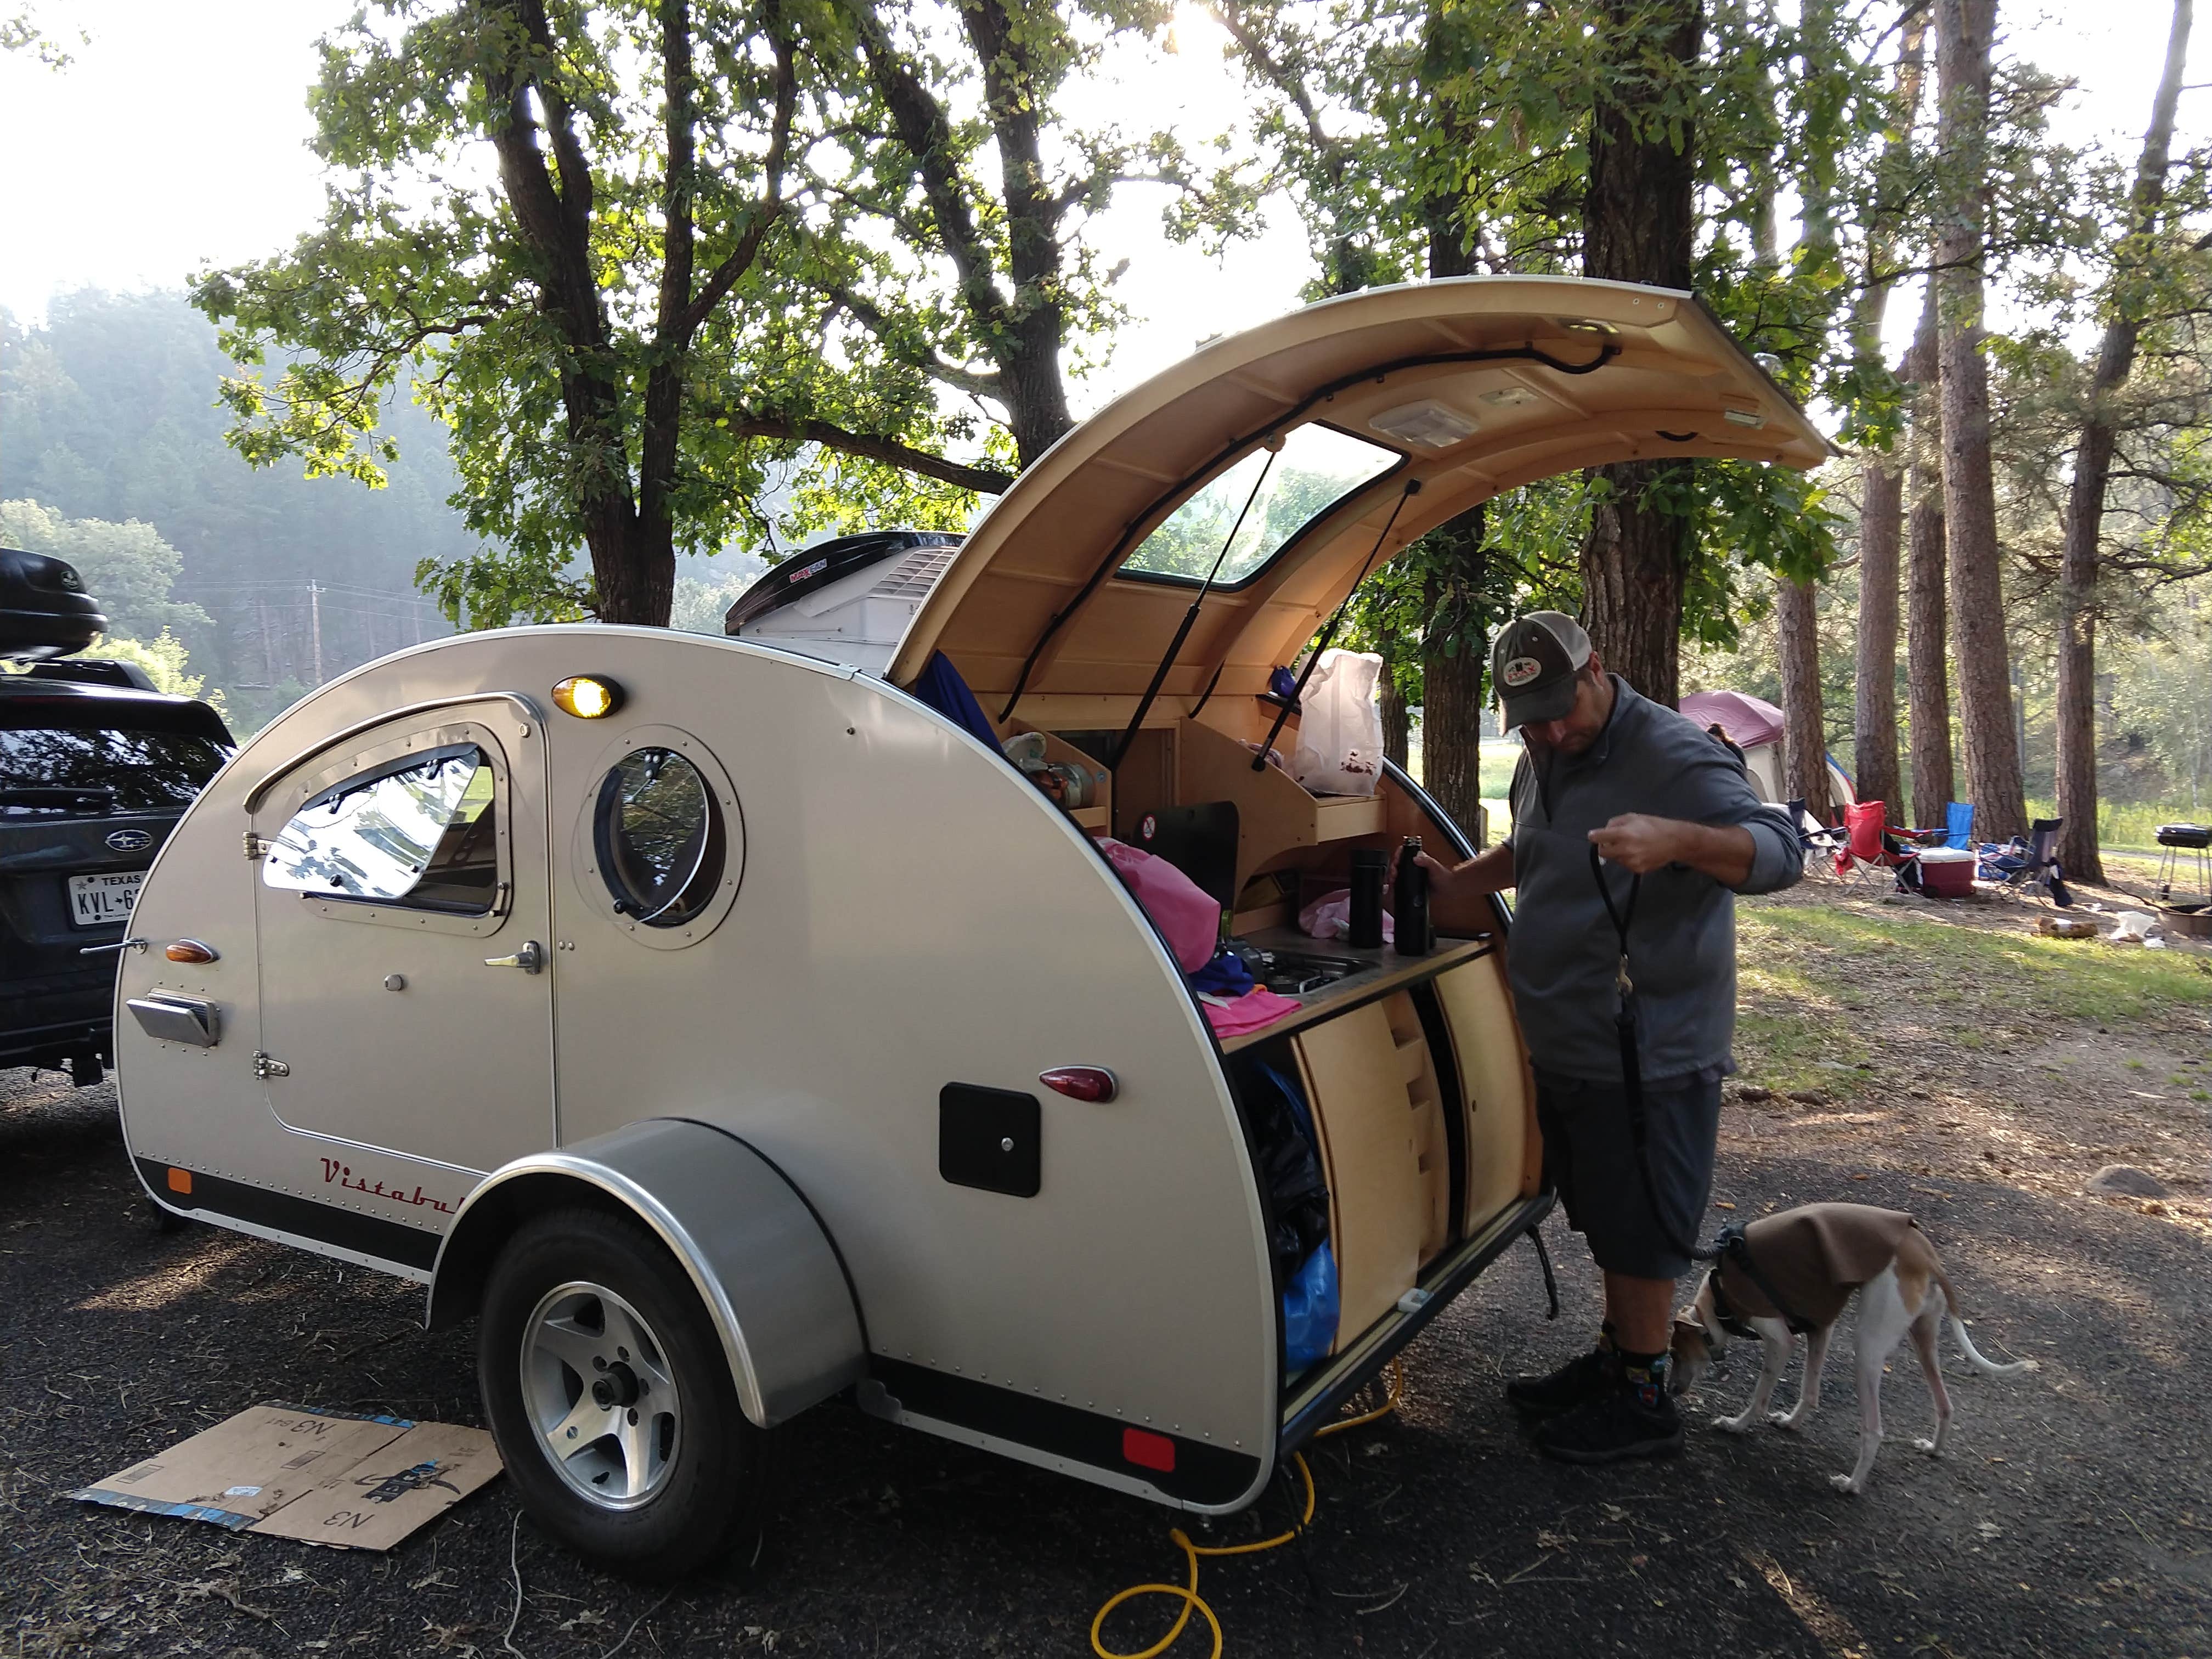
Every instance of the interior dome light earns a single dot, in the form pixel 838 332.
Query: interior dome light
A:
pixel 587 696
pixel 1431 425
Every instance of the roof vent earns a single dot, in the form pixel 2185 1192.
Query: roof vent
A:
pixel 1429 425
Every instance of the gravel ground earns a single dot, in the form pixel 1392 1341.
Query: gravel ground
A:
pixel 2074 1516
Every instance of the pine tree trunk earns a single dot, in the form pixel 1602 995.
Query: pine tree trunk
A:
pixel 1639 216
pixel 1927 645
pixel 1963 28
pixel 1804 742
pixel 1874 716
pixel 1451 673
pixel 2085 508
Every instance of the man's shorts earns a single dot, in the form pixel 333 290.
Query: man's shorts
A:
pixel 1590 1157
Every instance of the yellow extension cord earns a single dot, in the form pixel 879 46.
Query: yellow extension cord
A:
pixel 1189 1596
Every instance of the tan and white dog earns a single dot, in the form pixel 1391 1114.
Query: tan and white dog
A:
pixel 1814 1259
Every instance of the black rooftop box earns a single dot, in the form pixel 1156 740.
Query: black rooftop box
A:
pixel 44 609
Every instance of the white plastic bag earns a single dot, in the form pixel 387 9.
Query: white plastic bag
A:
pixel 1340 748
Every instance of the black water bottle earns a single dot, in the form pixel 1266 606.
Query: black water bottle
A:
pixel 1369 866
pixel 1409 910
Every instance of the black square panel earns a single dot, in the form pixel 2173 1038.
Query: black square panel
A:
pixel 989 1137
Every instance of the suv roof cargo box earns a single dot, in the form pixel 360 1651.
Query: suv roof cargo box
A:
pixel 44 609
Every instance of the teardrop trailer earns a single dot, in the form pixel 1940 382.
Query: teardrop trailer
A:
pixel 724 1029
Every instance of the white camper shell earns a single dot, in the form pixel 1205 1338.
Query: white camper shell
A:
pixel 765 1035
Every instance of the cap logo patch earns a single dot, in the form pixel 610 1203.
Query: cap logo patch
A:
pixel 1519 672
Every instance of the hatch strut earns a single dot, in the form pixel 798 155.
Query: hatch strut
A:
pixel 1519 354
pixel 1190 617
pixel 1297 691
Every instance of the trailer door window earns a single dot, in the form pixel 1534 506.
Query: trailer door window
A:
pixel 420 831
pixel 657 833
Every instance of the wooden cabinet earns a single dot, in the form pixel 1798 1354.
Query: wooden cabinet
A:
pixel 1504 1153
pixel 1354 1083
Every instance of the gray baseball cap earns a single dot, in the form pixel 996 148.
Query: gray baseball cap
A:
pixel 1533 663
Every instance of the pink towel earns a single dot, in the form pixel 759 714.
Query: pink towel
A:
pixel 1256 1007
pixel 1187 918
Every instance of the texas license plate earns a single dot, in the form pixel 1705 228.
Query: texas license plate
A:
pixel 102 901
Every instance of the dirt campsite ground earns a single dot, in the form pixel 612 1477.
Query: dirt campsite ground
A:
pixel 1943 1059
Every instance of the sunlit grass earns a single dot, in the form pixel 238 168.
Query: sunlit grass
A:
pixel 1810 977
pixel 1894 954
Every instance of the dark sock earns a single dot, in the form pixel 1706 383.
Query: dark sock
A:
pixel 1646 1374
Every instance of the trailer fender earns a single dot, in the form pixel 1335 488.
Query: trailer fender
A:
pixel 759 1257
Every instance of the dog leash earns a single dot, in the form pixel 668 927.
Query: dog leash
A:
pixel 1732 1246
pixel 1631 1068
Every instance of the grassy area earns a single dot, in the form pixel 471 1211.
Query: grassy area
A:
pixel 1811 975
pixel 2130 824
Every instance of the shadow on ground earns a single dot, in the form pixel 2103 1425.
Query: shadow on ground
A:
pixel 2073 1517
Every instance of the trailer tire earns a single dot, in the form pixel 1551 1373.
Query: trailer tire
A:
pixel 593 1340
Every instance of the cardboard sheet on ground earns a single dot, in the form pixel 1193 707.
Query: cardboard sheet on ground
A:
pixel 324 1477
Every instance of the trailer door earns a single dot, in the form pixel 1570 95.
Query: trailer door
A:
pixel 406 956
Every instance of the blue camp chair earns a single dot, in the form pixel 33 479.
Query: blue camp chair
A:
pixel 1959 825
pixel 1957 830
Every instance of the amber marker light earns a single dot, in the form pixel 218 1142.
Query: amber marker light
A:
pixel 587 696
pixel 190 950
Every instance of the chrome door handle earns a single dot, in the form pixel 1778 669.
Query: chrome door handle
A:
pixel 530 959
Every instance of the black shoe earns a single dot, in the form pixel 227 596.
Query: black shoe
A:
pixel 1589 1376
pixel 1616 1426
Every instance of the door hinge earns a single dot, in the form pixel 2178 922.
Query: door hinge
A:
pixel 266 1066
pixel 256 846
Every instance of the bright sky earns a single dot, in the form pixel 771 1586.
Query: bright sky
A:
pixel 178 137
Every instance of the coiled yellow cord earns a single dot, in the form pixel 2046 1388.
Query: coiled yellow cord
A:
pixel 1189 1595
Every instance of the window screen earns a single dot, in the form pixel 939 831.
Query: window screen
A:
pixel 421 831
pixel 1317 468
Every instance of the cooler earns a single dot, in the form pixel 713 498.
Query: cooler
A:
pixel 1947 872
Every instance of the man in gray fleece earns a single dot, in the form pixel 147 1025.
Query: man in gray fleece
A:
pixel 1679 832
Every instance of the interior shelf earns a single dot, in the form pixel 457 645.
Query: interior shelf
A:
pixel 1274 814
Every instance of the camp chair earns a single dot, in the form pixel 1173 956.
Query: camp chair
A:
pixel 2029 865
pixel 1819 842
pixel 1956 830
pixel 1872 848
pixel 2040 871
pixel 1959 825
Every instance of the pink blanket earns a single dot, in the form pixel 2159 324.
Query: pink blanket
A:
pixel 1256 1007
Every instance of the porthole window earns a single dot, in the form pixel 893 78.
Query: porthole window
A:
pixel 657 832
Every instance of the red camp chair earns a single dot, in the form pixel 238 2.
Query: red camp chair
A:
pixel 1872 847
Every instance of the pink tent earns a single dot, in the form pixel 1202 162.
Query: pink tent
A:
pixel 1750 721
pixel 1754 726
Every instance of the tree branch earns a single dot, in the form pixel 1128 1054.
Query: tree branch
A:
pixel 764 217
pixel 984 480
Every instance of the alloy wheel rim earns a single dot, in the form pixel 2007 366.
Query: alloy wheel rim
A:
pixel 601 1396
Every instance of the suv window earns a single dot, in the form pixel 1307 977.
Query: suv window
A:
pixel 93 770
pixel 422 831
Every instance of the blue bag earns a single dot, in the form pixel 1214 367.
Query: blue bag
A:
pixel 1309 1310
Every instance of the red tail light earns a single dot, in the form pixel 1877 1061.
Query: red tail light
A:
pixel 1080 1082
pixel 1148 1450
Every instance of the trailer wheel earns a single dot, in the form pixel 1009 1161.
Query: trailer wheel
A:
pixel 609 1393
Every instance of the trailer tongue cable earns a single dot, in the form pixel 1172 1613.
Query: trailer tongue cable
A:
pixel 1187 1595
